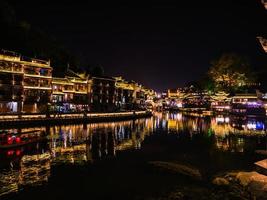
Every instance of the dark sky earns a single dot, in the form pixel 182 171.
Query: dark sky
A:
pixel 161 44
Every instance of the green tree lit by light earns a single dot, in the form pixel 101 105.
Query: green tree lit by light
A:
pixel 231 72
pixel 210 132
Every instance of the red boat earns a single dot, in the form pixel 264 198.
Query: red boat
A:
pixel 12 139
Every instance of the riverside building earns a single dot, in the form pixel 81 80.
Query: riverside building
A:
pixel 103 94
pixel 71 93
pixel 27 86
pixel 25 83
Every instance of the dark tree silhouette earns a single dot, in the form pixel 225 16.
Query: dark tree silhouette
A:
pixel 21 37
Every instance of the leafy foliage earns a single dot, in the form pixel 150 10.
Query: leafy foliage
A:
pixel 231 72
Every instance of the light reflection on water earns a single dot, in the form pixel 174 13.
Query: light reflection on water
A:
pixel 79 144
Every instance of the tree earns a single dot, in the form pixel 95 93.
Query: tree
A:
pixel 231 72
pixel 206 83
pixel 22 37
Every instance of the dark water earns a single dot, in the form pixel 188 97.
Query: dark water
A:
pixel 111 160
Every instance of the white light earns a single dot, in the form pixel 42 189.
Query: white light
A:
pixel 179 105
pixel 251 126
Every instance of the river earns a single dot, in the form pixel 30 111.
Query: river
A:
pixel 112 160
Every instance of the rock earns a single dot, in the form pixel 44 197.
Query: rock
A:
pixel 258 189
pixel 246 177
pixel 220 181
pixel 175 196
pixel 178 168
pixel 254 183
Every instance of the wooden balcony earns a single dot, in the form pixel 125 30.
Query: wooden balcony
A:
pixel 11 69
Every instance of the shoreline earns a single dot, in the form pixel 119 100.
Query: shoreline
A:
pixel 62 119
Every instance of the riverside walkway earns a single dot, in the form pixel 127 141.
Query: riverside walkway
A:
pixel 68 118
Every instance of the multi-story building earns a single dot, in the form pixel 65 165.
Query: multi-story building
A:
pixel 132 95
pixel 71 93
pixel 139 95
pixel 11 82
pixel 62 94
pixel 220 101
pixel 125 93
pixel 103 94
pixel 25 84
pixel 37 85
pixel 81 90
pixel 178 94
pixel 149 94
pixel 173 93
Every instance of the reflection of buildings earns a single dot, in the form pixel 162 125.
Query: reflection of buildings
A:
pixel 12 156
pixel 67 144
pixel 8 182
pixel 122 136
pixel 220 125
pixel 237 135
pixel 223 126
pixel 78 144
pixel 230 143
pixel 176 123
pixel 34 170
pixel 106 139
pixel 76 154
pixel 248 126
pixel 230 134
pixel 68 135
pixel 83 143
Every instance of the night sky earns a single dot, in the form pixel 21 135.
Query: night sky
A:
pixel 162 44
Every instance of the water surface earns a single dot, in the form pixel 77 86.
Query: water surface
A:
pixel 111 160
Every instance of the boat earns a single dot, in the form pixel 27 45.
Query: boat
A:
pixel 10 139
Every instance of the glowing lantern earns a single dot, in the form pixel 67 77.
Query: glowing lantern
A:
pixel 18 140
pixel 9 140
pixel 18 152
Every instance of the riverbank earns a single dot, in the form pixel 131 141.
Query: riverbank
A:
pixel 70 118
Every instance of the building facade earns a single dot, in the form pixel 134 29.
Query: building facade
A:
pixel 103 94
pixel 71 93
pixel 25 84
pixel 125 94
